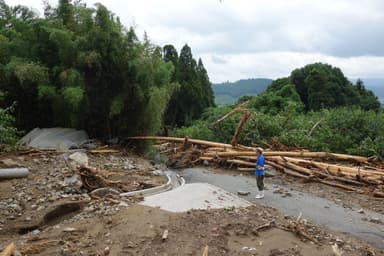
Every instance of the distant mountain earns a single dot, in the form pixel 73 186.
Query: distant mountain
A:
pixel 227 93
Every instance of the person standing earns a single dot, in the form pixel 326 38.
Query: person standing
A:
pixel 259 172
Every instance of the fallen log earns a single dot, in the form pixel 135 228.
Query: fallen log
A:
pixel 333 184
pixel 11 173
pixel 245 169
pixel 314 172
pixel 289 172
pixel 206 158
pixel 378 194
pixel 103 151
pixel 295 154
pixel 294 167
pixel 333 168
pixel 239 127
pixel 193 141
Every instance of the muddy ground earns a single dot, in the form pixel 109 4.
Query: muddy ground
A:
pixel 50 213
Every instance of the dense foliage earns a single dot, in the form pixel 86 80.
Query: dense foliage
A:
pixel 195 92
pixel 79 67
pixel 315 108
pixel 8 133
pixel 315 87
pixel 227 93
pixel 344 130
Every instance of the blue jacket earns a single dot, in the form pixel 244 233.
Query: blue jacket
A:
pixel 259 166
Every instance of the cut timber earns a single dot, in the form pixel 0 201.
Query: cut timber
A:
pixel 294 167
pixel 8 251
pixel 378 194
pixel 285 170
pixel 104 151
pixel 206 158
pixel 295 154
pixel 205 253
pixel 335 169
pixel 193 141
pixel 11 173
pixel 246 169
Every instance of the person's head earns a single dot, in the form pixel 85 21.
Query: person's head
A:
pixel 259 150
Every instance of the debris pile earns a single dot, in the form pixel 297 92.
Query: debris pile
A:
pixel 352 173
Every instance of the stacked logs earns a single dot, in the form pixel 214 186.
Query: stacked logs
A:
pixel 352 173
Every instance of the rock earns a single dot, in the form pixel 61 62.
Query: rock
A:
pixel 67 190
pixel 278 191
pixel 66 252
pixel 71 180
pixel 243 193
pixel 360 211
pixel 80 158
pixel 35 232
pixel 375 220
pixel 123 204
pixel 157 172
pixel 131 167
pixel 16 253
pixel 69 229
pixel 339 242
pixel 15 208
pixel 106 250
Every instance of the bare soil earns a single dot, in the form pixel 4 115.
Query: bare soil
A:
pixel 78 224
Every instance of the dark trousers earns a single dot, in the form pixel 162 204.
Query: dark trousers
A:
pixel 260 182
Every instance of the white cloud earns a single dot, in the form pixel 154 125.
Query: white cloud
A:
pixel 261 37
pixel 233 67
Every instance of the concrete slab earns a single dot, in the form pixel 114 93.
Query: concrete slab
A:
pixel 195 196
pixel 54 138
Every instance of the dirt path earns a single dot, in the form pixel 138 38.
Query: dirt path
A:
pixel 363 224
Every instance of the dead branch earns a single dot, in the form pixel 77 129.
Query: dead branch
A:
pixel 239 127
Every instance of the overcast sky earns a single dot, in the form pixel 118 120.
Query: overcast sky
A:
pixel 239 39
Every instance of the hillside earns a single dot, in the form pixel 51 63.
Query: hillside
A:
pixel 376 85
pixel 227 93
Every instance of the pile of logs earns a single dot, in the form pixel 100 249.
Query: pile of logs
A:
pixel 352 173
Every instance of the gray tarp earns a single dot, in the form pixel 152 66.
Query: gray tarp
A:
pixel 54 138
